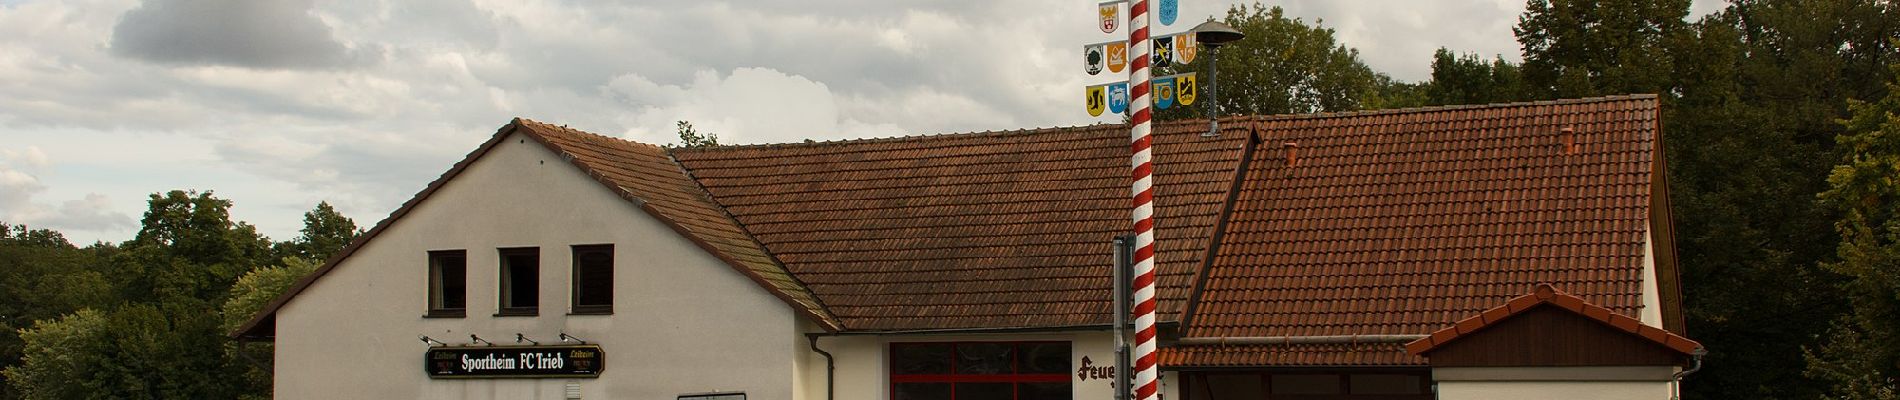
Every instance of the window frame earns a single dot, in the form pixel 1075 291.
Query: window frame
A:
pixel 504 290
pixel 952 377
pixel 574 280
pixel 436 300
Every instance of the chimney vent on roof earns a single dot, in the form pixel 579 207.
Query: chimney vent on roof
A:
pixel 1292 154
pixel 1570 140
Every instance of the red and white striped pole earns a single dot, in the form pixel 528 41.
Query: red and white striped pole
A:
pixel 1140 112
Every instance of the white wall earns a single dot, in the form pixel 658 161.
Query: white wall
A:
pixel 862 363
pixel 1652 296
pixel 1616 390
pixel 683 321
pixel 1556 383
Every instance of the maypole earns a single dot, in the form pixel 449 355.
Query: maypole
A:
pixel 1140 113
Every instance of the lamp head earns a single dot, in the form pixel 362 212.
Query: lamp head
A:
pixel 1214 34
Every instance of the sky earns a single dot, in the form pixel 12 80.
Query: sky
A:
pixel 279 104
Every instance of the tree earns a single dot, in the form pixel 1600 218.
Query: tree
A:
pixel 1863 360
pixel 690 137
pixel 1749 128
pixel 1285 66
pixel 257 288
pixel 42 277
pixel 66 354
pixel 138 351
pixel 161 335
pixel 252 292
pixel 325 232
pixel 1582 48
pixel 187 248
pixel 1394 93
pixel 1467 79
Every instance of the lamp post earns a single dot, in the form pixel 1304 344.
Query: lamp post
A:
pixel 1214 34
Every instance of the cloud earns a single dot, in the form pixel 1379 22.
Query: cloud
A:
pixel 244 33
pixel 1398 37
pixel 19 185
pixel 750 105
pixel 278 104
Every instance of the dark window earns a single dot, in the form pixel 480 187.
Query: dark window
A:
pixel 594 279
pixel 1306 384
pixel 1386 384
pixel 448 283
pixel 520 281
pixel 1412 384
pixel 713 396
pixel 981 371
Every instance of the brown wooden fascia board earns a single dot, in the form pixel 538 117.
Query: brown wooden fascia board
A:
pixel 828 325
pixel 823 314
pixel 1220 225
pixel 1662 234
pixel 817 315
pixel 269 311
pixel 1523 304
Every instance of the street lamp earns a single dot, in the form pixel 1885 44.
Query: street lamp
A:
pixel 1214 34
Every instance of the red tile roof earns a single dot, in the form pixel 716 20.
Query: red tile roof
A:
pixel 1392 222
pixel 987 230
pixel 1294 355
pixel 1548 295
pixel 640 173
pixel 1401 222
pixel 646 175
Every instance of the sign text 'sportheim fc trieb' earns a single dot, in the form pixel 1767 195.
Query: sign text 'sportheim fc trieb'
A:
pixel 568 361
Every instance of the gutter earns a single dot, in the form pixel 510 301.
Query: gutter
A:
pixel 1288 340
pixel 1675 382
pixel 1027 329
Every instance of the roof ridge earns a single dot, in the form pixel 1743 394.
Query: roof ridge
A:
pixel 524 121
pixel 1189 122
pixel 1454 107
pixel 901 138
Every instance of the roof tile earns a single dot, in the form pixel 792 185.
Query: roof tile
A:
pixel 1406 221
pixel 1543 295
pixel 996 230
pixel 646 173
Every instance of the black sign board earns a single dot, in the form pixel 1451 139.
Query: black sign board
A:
pixel 581 361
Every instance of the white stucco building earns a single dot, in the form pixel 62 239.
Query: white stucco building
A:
pixel 1321 256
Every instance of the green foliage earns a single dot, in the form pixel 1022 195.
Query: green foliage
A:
pixel 41 277
pixel 1758 88
pixel 1582 48
pixel 1393 93
pixel 148 321
pixel 325 231
pixel 1863 360
pixel 19 235
pixel 1285 66
pixel 66 357
pixel 1467 79
pixel 252 292
pixel 198 227
pixel 690 137
pixel 257 288
pixel 136 352
pixel 187 248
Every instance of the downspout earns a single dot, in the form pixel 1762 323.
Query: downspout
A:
pixel 830 368
pixel 1695 364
